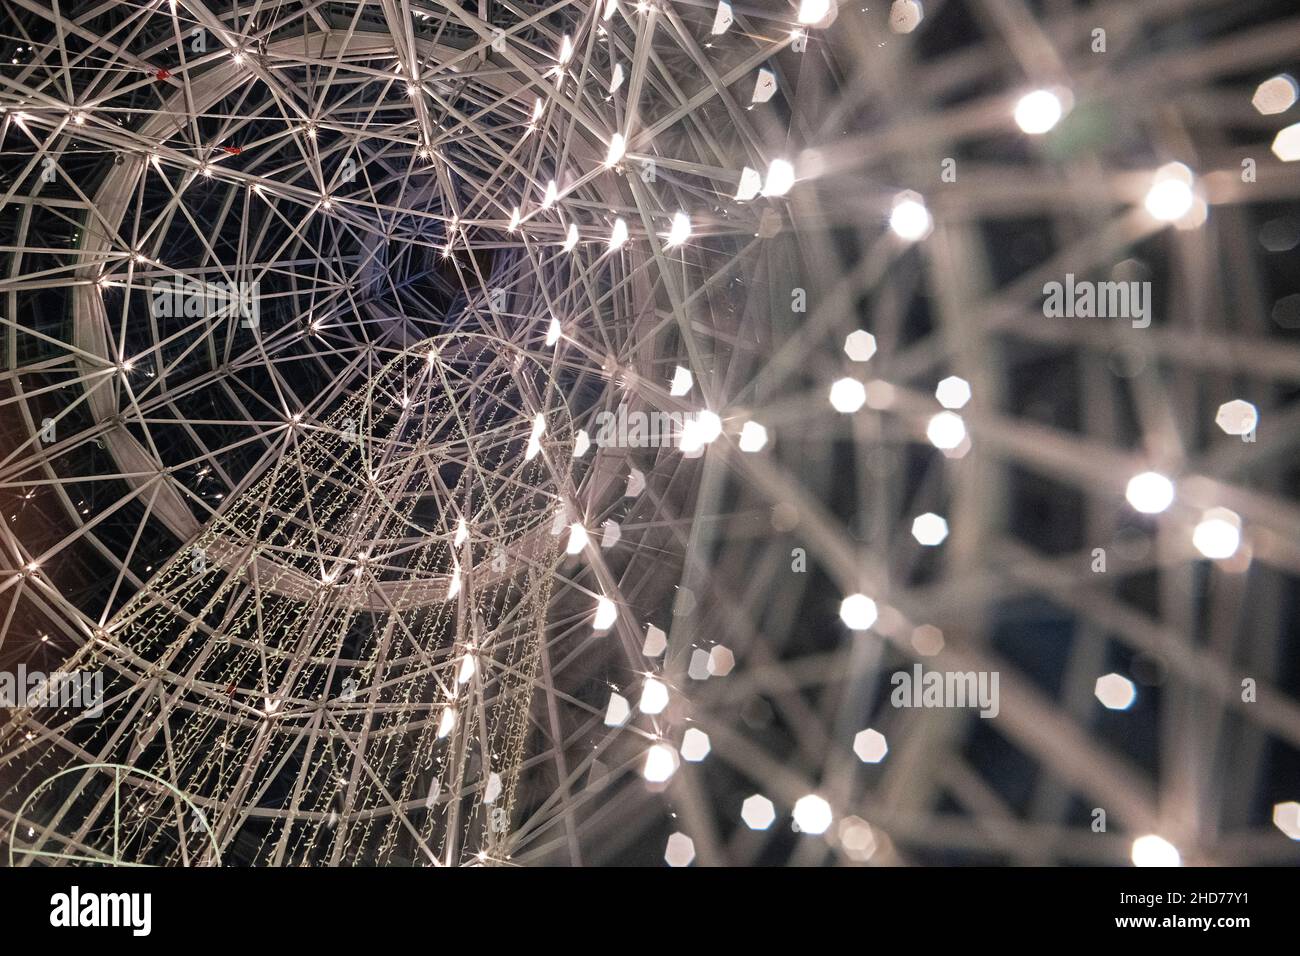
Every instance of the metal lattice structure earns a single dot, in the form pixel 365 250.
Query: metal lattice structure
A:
pixel 315 317
pixel 354 635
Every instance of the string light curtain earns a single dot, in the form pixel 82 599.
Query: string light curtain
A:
pixel 340 668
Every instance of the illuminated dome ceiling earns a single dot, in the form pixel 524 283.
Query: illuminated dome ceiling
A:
pixel 402 265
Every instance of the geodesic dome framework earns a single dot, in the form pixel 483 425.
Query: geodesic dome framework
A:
pixel 613 192
pixel 337 670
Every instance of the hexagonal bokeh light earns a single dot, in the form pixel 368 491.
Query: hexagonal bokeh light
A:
pixel 758 812
pixel 1115 692
pixel 870 746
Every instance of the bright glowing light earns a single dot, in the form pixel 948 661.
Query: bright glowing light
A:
pixel 553 331
pixel 813 11
pixel 858 612
pixel 695 745
pixel 1286 145
pixel 1171 197
pixel 578 539
pixel 606 615
pixel 566 49
pixel 514 219
pixel 618 235
pixel 1286 817
pixel 722 19
pixel 860 345
pixel 929 529
pixel 462 532
pixel 710 426
pixel 870 746
pixel 618 711
pixel 953 392
pixel 617 146
pixel 1038 112
pixel 552 193
pixel 1150 492
pixel 905 16
pixel 757 812
pixel 910 219
pixel 750 184
pixel 1115 691
pixel 1169 200
pixel 492 790
pixel 581 442
pixel 680 230
pixel 847 395
pixel 680 850
pixel 1237 417
pixel 468 665
pixel 691 440
pixel 812 814
pixel 1218 534
pixel 753 437
pixel 660 763
pixel 683 381
pixel 780 178
pixel 1276 95
pixel 656 642
pixel 571 239
pixel 654 696
pixel 1151 850
pixel 447 722
pixel 946 431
